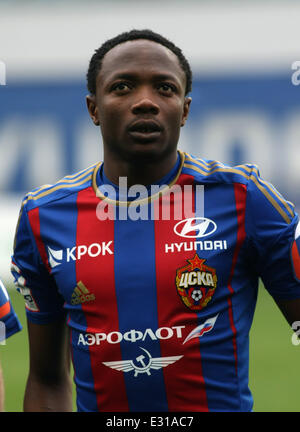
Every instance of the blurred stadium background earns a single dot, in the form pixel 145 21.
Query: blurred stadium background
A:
pixel 246 108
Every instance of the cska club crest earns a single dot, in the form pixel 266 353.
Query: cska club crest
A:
pixel 196 283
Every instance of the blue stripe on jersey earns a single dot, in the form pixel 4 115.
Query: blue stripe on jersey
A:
pixel 243 316
pixel 141 291
pixel 219 339
pixel 53 227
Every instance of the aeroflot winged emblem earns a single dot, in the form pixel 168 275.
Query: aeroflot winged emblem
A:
pixel 143 364
pixel 196 283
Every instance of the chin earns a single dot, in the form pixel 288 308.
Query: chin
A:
pixel 148 153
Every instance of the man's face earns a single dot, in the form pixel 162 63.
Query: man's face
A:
pixel 140 101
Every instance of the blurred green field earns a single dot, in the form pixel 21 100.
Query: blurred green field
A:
pixel 274 360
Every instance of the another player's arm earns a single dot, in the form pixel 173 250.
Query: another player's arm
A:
pixel 49 385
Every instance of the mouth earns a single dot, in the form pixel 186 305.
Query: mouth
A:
pixel 145 130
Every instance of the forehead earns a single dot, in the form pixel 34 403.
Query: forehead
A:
pixel 141 56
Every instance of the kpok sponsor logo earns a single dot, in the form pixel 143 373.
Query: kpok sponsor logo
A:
pixel 57 257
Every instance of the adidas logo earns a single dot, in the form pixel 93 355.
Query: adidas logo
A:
pixel 81 294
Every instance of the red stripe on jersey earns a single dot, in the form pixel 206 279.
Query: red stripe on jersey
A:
pixel 296 260
pixel 4 309
pixel 34 220
pixel 96 273
pixel 240 192
pixel 186 373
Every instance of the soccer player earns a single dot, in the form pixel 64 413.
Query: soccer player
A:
pixel 9 325
pixel 150 259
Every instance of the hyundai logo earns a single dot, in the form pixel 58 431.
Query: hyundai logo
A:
pixel 195 227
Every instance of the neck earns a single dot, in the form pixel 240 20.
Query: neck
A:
pixel 144 172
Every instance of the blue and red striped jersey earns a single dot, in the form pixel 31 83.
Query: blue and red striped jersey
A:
pixel 9 322
pixel 160 290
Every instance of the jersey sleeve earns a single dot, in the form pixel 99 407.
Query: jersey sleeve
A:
pixel 9 322
pixel 273 225
pixel 32 279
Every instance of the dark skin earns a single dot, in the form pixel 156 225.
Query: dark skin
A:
pixel 139 81
pixel 290 309
pixel 49 386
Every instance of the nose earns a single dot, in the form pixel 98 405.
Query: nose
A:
pixel 145 105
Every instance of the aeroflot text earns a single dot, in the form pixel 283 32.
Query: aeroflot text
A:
pixel 116 337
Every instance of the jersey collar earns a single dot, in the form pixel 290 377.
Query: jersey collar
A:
pixel 169 180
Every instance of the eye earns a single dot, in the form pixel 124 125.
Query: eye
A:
pixel 167 88
pixel 121 87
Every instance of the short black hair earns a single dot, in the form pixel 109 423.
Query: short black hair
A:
pixel 96 60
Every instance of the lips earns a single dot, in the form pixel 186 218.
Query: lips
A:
pixel 145 130
pixel 145 126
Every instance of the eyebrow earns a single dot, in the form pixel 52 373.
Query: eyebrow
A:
pixel 134 76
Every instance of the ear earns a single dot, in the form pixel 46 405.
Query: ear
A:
pixel 92 109
pixel 186 110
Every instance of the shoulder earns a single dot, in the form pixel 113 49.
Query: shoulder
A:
pixel 261 195
pixel 213 171
pixel 70 184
